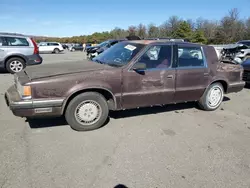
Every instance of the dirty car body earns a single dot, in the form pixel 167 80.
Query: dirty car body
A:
pixel 128 75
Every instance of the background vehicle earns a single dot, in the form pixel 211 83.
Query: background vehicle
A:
pixel 96 50
pixel 130 74
pixel 17 52
pixel 77 47
pixel 65 46
pixel 244 54
pixel 88 45
pixel 246 74
pixel 50 47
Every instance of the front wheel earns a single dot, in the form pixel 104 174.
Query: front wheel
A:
pixel 212 97
pixel 87 111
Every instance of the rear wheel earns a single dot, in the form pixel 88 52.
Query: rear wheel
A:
pixel 212 97
pixel 14 65
pixel 56 50
pixel 87 111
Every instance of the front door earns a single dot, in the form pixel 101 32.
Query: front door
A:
pixel 191 73
pixel 153 86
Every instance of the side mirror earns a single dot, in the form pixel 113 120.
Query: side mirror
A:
pixel 139 66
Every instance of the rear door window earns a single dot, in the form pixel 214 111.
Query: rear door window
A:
pixel 16 41
pixel 53 44
pixel 190 57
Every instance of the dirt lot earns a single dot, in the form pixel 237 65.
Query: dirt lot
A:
pixel 174 146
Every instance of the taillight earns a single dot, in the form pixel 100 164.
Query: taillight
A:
pixel 36 50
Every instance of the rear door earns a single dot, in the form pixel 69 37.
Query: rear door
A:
pixel 191 73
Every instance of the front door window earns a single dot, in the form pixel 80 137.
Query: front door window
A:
pixel 157 57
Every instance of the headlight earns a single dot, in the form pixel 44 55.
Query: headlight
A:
pixel 24 91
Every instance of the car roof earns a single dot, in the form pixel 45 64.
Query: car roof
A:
pixel 12 35
pixel 162 41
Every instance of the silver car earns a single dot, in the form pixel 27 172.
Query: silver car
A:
pixel 17 52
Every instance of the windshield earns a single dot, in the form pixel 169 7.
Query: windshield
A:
pixel 120 54
pixel 246 43
pixel 103 44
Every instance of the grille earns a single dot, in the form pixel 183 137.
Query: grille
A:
pixel 246 75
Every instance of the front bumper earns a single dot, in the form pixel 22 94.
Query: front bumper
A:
pixel 32 108
pixel 236 87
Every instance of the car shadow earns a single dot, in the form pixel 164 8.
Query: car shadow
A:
pixel 120 186
pixel 35 123
pixel 247 86
pixel 60 121
pixel 46 122
pixel 3 71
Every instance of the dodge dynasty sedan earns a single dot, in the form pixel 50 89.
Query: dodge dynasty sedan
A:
pixel 130 74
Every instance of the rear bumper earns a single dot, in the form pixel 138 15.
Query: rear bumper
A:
pixel 35 59
pixel 236 87
pixel 32 108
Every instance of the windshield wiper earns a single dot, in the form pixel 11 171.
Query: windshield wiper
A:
pixel 115 64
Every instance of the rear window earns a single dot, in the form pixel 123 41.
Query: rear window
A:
pixel 16 41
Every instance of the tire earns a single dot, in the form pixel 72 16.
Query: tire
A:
pixel 77 110
pixel 56 51
pixel 14 65
pixel 206 101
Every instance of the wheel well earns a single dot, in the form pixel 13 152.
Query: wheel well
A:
pixel 15 56
pixel 223 83
pixel 108 96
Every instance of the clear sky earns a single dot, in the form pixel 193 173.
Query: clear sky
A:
pixel 76 17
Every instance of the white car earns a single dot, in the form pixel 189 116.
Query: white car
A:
pixel 50 47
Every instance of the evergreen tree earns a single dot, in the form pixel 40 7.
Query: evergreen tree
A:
pixel 199 37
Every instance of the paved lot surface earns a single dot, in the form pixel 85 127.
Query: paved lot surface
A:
pixel 174 146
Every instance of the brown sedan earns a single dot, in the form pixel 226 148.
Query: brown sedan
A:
pixel 130 74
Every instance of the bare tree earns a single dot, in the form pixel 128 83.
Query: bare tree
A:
pixel 132 30
pixel 142 31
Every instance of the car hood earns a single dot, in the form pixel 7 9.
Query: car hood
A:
pixel 246 64
pixel 55 69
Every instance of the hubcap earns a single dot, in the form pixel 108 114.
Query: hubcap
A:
pixel 215 97
pixel 88 112
pixel 16 66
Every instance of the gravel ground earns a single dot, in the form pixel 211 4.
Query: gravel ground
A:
pixel 173 146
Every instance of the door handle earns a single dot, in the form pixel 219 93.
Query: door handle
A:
pixel 206 74
pixel 170 76
pixel 1 50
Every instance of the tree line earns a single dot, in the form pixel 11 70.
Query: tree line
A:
pixel 228 29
